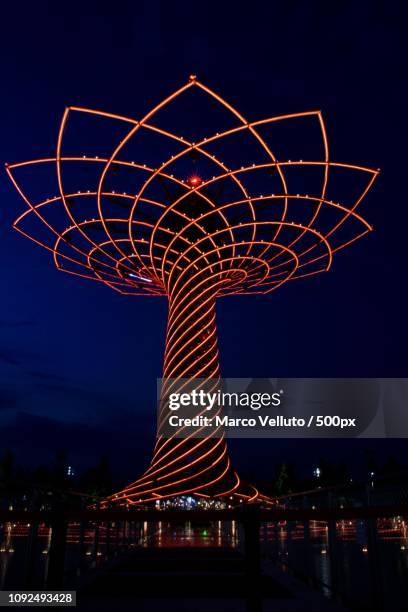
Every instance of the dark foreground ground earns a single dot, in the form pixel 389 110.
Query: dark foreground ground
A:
pixel 194 579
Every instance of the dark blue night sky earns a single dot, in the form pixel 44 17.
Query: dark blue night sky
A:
pixel 78 363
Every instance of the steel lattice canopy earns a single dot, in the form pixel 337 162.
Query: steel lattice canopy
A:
pixel 137 242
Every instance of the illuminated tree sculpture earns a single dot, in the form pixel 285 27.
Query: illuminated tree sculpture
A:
pixel 158 212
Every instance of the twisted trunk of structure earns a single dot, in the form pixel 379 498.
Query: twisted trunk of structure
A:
pixel 192 465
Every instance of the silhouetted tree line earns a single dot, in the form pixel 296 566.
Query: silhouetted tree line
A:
pixel 286 480
pixel 45 486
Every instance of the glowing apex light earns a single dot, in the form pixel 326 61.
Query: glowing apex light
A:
pixel 192 245
pixel 194 180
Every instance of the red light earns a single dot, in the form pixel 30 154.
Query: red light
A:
pixel 194 181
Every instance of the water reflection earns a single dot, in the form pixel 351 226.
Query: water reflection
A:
pixel 307 552
pixel 164 534
pixel 305 548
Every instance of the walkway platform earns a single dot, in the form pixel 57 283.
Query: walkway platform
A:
pixel 195 580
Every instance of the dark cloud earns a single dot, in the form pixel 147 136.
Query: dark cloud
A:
pixel 10 357
pixel 46 376
pixel 80 393
pixel 8 399
pixel 21 323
